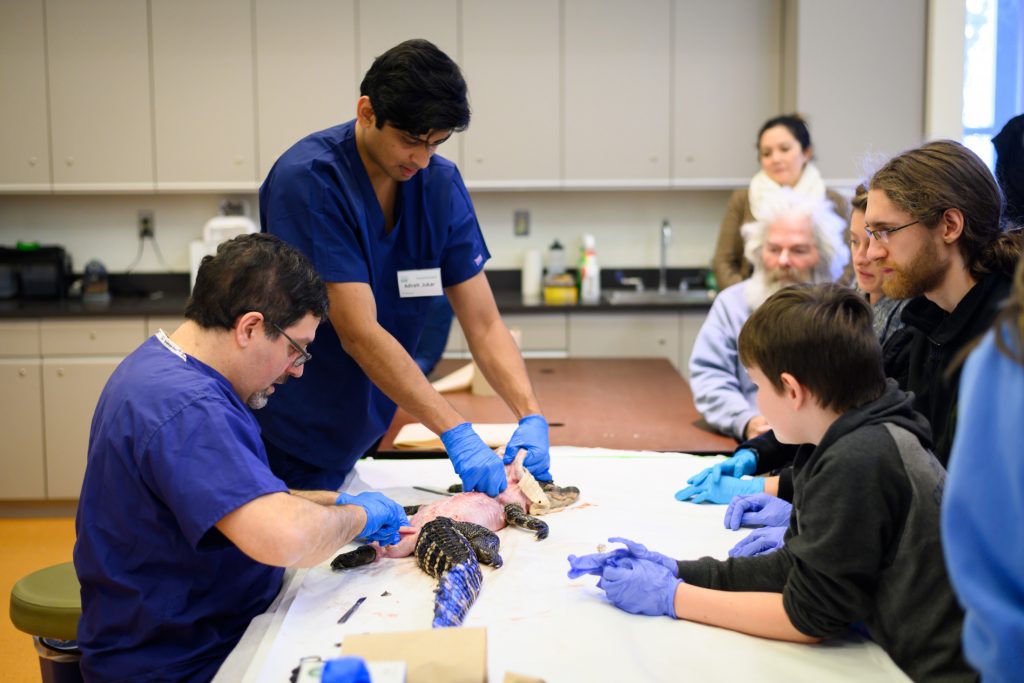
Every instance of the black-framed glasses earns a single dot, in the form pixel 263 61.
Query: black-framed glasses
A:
pixel 882 234
pixel 304 355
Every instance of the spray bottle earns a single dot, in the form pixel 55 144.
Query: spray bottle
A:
pixel 590 272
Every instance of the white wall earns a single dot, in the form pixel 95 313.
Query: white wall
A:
pixel 625 224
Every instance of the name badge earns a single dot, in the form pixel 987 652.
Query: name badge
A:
pixel 423 282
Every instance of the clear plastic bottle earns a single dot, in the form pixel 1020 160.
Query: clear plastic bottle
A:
pixel 590 272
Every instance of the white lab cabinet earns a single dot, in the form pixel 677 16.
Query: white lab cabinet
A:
pixel 22 459
pixel 24 136
pixel 203 92
pixel 617 57
pixel 305 71
pixel 624 335
pixel 510 57
pixel 99 80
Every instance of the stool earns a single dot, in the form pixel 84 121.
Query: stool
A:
pixel 46 604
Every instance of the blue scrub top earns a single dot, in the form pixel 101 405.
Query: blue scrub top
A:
pixel 318 198
pixel 165 596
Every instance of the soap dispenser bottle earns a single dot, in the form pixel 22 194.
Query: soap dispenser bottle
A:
pixel 590 272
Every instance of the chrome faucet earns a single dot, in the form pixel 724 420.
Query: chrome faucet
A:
pixel 666 238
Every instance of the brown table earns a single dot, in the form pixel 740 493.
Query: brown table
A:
pixel 621 403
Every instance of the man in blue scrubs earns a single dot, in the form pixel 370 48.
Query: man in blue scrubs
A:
pixel 390 226
pixel 183 530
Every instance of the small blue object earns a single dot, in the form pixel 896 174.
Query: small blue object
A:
pixel 720 491
pixel 759 509
pixel 345 670
pixel 760 542
pixel 478 466
pixel 384 516
pixel 742 462
pixel 531 435
pixel 641 587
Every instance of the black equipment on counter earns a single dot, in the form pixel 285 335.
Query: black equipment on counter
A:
pixel 40 272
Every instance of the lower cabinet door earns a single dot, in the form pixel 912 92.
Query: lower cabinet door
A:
pixel 22 470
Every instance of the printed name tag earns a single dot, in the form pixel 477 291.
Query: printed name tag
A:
pixel 424 282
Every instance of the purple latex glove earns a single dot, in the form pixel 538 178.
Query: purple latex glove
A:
pixel 721 490
pixel 743 461
pixel 477 465
pixel 531 435
pixel 640 587
pixel 757 509
pixel 594 563
pixel 761 541
pixel 383 516
pixel 640 552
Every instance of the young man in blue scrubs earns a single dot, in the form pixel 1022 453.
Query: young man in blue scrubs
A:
pixel 390 226
pixel 183 531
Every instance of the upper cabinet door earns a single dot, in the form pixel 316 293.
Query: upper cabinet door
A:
pixel 617 62
pixel 305 71
pixel 727 62
pixel 203 90
pixel 24 145
pixel 100 111
pixel 386 23
pixel 511 63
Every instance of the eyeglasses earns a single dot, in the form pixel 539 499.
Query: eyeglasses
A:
pixel 304 355
pixel 882 234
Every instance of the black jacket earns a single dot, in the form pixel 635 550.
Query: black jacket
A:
pixel 863 542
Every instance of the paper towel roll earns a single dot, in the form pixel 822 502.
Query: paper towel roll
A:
pixel 531 274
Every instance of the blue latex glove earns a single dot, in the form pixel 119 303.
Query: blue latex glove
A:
pixel 594 563
pixel 531 434
pixel 757 509
pixel 477 465
pixel 640 587
pixel 743 461
pixel 383 516
pixel 760 542
pixel 720 491
pixel 640 552
pixel 345 670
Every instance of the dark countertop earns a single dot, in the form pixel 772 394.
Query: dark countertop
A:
pixel 165 295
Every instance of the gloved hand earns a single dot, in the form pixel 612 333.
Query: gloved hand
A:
pixel 345 670
pixel 640 587
pixel 720 491
pixel 477 465
pixel 743 461
pixel 595 563
pixel 531 434
pixel 640 552
pixel 383 516
pixel 759 508
pixel 760 542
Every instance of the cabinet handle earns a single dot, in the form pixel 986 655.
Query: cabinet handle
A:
pixel 661 341
pixel 60 372
pixel 70 161
pixel 92 336
pixel 22 372
pixel 32 161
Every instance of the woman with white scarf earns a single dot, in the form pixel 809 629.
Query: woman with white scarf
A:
pixel 784 149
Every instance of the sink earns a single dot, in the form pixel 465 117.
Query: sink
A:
pixel 672 296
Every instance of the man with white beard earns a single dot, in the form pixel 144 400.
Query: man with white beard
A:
pixel 798 239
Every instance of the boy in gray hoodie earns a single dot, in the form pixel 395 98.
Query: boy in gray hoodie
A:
pixel 862 545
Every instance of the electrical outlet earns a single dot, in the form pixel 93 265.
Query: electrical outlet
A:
pixel 147 225
pixel 521 223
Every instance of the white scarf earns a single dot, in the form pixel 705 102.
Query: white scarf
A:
pixel 761 186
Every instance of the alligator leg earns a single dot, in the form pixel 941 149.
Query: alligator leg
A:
pixel 560 496
pixel 484 541
pixel 364 554
pixel 411 510
pixel 516 516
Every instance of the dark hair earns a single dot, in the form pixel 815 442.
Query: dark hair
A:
pixel 794 123
pixel 417 88
pixel 859 201
pixel 942 175
pixel 822 335
pixel 256 272
pixel 1009 144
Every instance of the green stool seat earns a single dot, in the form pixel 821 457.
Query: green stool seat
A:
pixel 47 603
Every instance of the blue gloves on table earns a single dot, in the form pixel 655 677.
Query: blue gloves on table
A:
pixel 383 516
pixel 757 509
pixel 532 435
pixel 637 580
pixel 345 670
pixel 478 466
pixel 743 461
pixel 760 542
pixel 720 490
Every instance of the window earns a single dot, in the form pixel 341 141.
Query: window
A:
pixel 993 71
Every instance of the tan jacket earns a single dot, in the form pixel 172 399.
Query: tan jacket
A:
pixel 728 263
